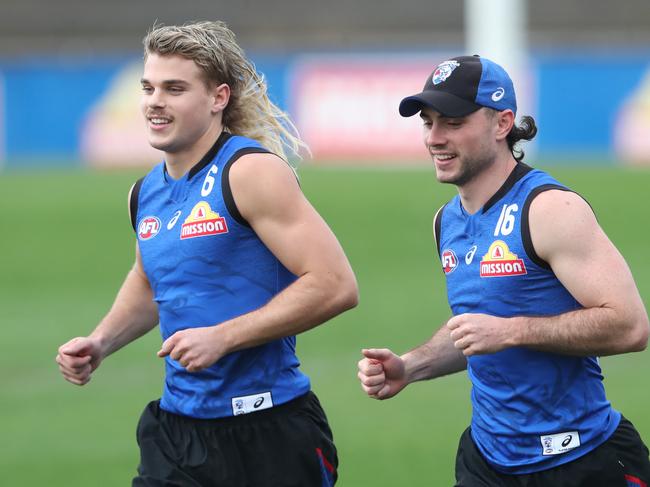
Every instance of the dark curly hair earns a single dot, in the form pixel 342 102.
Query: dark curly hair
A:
pixel 526 130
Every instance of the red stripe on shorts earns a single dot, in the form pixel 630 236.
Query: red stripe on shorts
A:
pixel 634 481
pixel 330 468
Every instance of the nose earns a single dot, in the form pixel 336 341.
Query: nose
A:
pixel 434 135
pixel 155 99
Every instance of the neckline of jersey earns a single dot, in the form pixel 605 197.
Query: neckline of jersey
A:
pixel 519 171
pixel 205 160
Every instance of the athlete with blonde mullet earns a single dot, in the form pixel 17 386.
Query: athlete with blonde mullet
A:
pixel 232 261
pixel 537 293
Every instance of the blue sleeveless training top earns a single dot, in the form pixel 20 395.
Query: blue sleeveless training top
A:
pixel 206 265
pixel 531 410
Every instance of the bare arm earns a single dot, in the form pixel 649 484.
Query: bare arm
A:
pixel 269 198
pixel 436 358
pixel 565 234
pixel 132 315
pixel 384 374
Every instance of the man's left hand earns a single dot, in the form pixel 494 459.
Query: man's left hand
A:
pixel 194 348
pixel 476 334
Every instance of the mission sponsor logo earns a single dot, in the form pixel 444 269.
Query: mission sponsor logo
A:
pixel 449 261
pixel 500 262
pixel 203 222
pixel 148 227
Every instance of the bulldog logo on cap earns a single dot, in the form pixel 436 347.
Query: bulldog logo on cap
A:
pixel 443 71
pixel 460 86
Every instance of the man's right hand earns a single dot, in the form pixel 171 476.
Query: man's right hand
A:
pixel 382 373
pixel 78 358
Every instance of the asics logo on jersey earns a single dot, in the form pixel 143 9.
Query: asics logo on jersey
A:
pixel 498 94
pixel 469 256
pixel 174 219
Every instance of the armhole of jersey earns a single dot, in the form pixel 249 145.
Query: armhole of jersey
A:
pixel 437 221
pixel 133 202
pixel 226 191
pixel 525 224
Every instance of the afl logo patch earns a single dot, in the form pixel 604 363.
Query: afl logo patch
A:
pixel 449 261
pixel 148 228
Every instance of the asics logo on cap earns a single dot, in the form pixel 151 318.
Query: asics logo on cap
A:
pixel 498 94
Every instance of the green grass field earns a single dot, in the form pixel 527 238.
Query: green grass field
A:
pixel 66 244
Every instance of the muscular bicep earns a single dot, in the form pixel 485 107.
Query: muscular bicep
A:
pixel 268 196
pixel 565 233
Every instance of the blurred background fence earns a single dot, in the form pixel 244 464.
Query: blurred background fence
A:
pixel 70 69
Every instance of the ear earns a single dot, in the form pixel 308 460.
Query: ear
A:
pixel 505 121
pixel 220 97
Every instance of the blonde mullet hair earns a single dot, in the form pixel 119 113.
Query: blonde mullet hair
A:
pixel 250 112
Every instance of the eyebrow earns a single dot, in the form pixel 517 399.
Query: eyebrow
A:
pixel 441 117
pixel 167 82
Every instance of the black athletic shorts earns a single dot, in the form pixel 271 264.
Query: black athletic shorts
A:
pixel 622 461
pixel 287 445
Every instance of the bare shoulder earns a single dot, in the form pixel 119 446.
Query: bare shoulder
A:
pixel 261 183
pixel 561 220
pixel 559 199
pixel 255 165
pixel 557 207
